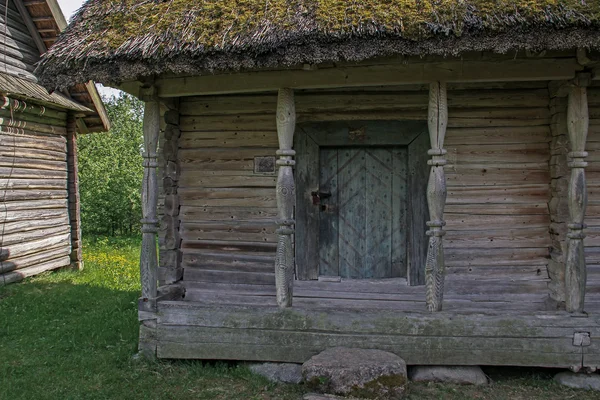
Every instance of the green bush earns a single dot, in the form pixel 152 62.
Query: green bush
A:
pixel 110 171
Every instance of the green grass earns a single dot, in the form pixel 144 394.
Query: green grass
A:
pixel 72 335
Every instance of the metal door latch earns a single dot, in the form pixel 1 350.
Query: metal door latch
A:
pixel 318 196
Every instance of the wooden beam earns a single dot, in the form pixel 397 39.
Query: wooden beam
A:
pixel 436 196
pixel 33 31
pixel 148 256
pixel 375 75
pixel 577 126
pixel 57 14
pixel 73 192
pixel 286 196
pixel 98 104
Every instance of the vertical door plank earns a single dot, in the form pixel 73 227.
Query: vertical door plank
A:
pixel 399 210
pixel 307 215
pixel 378 226
pixel 418 213
pixel 351 189
pixel 328 227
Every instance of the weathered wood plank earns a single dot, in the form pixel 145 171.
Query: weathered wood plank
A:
pixel 395 74
pixel 399 213
pixel 417 204
pixel 306 213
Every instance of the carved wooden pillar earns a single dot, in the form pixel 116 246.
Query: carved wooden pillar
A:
pixel 148 256
pixel 284 259
pixel 436 196
pixel 577 127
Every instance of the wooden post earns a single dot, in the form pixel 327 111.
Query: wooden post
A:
pixel 436 196
pixel 73 190
pixel 577 127
pixel 148 256
pixel 284 259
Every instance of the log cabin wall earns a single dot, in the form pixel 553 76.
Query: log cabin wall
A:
pixel 498 177
pixel 35 228
pixel 592 219
pixel 18 54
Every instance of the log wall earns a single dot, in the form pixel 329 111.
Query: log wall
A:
pixel 18 52
pixel 498 177
pixel 35 228
pixel 592 219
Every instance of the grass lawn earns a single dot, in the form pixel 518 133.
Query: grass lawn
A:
pixel 72 335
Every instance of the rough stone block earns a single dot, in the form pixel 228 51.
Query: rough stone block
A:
pixel 579 380
pixel 279 372
pixel 468 375
pixel 371 374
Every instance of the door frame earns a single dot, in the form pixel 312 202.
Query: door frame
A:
pixel 311 136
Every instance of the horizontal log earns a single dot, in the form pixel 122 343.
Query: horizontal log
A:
pixel 475 222
pixel 524 194
pixel 12 264
pixel 43 183
pixel 228 261
pixel 35 163
pixel 537 208
pixel 33 126
pixel 191 178
pixel 24 248
pixel 189 156
pixel 35 205
pixel 24 194
pixel 460 257
pixel 391 74
pixel 25 119
pixel 311 102
pixel 192 140
pixel 25 173
pixel 237 231
pixel 9 228
pixel 227 197
pixel 497 135
pixel 7 216
pixel 202 275
pixel 461 175
pixel 32 153
pixel 20 237
pixel 32 141
pixel 506 153
pixel 193 214
pixel 222 245
pixel 510 239
pixel 17 276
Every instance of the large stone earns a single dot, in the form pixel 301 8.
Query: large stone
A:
pixel 279 372
pixel 371 374
pixel 578 381
pixel 450 374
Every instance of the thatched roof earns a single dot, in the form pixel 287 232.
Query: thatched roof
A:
pixel 112 41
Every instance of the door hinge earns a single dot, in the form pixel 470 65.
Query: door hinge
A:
pixel 582 339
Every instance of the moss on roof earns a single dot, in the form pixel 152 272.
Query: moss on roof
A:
pixel 155 36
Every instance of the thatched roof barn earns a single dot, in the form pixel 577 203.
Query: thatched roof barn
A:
pixel 405 175
pixel 39 225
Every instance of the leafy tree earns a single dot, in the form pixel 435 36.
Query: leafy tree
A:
pixel 110 171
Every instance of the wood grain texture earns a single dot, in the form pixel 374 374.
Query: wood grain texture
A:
pixel 436 195
pixel 149 256
pixel 286 197
pixel 575 268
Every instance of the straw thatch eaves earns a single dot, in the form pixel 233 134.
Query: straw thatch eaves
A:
pixel 112 41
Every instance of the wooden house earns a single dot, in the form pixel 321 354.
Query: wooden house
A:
pixel 39 200
pixel 406 175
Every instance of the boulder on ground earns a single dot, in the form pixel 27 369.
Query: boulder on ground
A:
pixel 578 380
pixel 279 372
pixel 468 375
pixel 371 374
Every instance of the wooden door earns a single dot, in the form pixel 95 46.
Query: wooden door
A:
pixel 394 246
pixel 362 205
